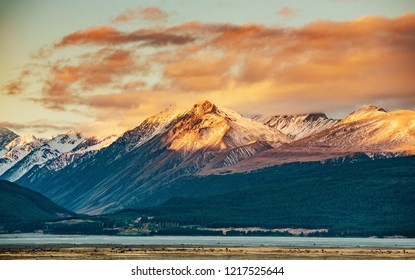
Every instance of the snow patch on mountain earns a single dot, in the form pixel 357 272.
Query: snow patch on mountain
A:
pixel 370 129
pixel 96 145
pixel 207 127
pixel 6 136
pixel 64 143
pixel 297 126
pixel 368 111
pixel 149 128
pixel 254 130
pixel 238 154
pixel 89 146
pixel 17 150
pixel 47 150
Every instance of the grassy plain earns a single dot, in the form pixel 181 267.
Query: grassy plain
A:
pixel 121 252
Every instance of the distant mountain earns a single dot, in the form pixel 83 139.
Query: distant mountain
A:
pixel 370 129
pixel 19 204
pixel 16 150
pixel 297 126
pixel 87 148
pixel 164 147
pixel 27 152
pixel 6 136
pixel 46 150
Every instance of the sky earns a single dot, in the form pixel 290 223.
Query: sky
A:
pixel 102 67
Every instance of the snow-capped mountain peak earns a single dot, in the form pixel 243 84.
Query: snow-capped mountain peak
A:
pixel 17 150
pixel 203 108
pixel 36 152
pixel 205 126
pixel 64 143
pixel 94 144
pixel 150 127
pixel 21 141
pixel 368 111
pixel 370 129
pixel 6 136
pixel 89 146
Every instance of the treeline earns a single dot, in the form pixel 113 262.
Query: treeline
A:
pixel 365 198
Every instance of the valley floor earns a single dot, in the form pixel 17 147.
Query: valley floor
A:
pixel 115 252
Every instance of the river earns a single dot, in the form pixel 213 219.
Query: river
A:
pixel 33 239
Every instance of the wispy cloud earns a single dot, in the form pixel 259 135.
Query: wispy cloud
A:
pixel 18 85
pixel 39 126
pixel 287 11
pixel 144 13
pixel 105 35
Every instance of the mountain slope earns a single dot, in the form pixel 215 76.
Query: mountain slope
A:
pixel 164 147
pixel 207 127
pixel 297 126
pixel 6 136
pixel 369 129
pixel 21 204
pixel 16 150
pixel 357 196
pixel 48 150
pixel 87 148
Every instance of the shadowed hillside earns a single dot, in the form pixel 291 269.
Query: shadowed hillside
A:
pixel 24 207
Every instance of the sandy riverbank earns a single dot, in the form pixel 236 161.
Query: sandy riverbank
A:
pixel 113 252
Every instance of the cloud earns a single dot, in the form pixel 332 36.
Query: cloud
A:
pixel 100 70
pixel 14 87
pixel 18 85
pixel 287 11
pixel 105 35
pixel 42 53
pixel 199 74
pixel 134 84
pixel 146 14
pixel 39 126
pixel 325 65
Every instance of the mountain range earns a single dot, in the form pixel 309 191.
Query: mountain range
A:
pixel 140 167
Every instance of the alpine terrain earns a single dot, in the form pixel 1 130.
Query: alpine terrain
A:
pixel 297 126
pixel 133 170
pixel 6 136
pixel 148 165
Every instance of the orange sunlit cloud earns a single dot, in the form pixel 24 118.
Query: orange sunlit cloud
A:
pixel 321 66
pixel 105 35
pixel 17 86
pixel 97 70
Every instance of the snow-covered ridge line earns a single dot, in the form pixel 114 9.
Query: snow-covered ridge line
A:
pixel 297 126
pixel 6 136
pixel 136 170
pixel 17 150
pixel 89 145
pixel 207 129
pixel 25 152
